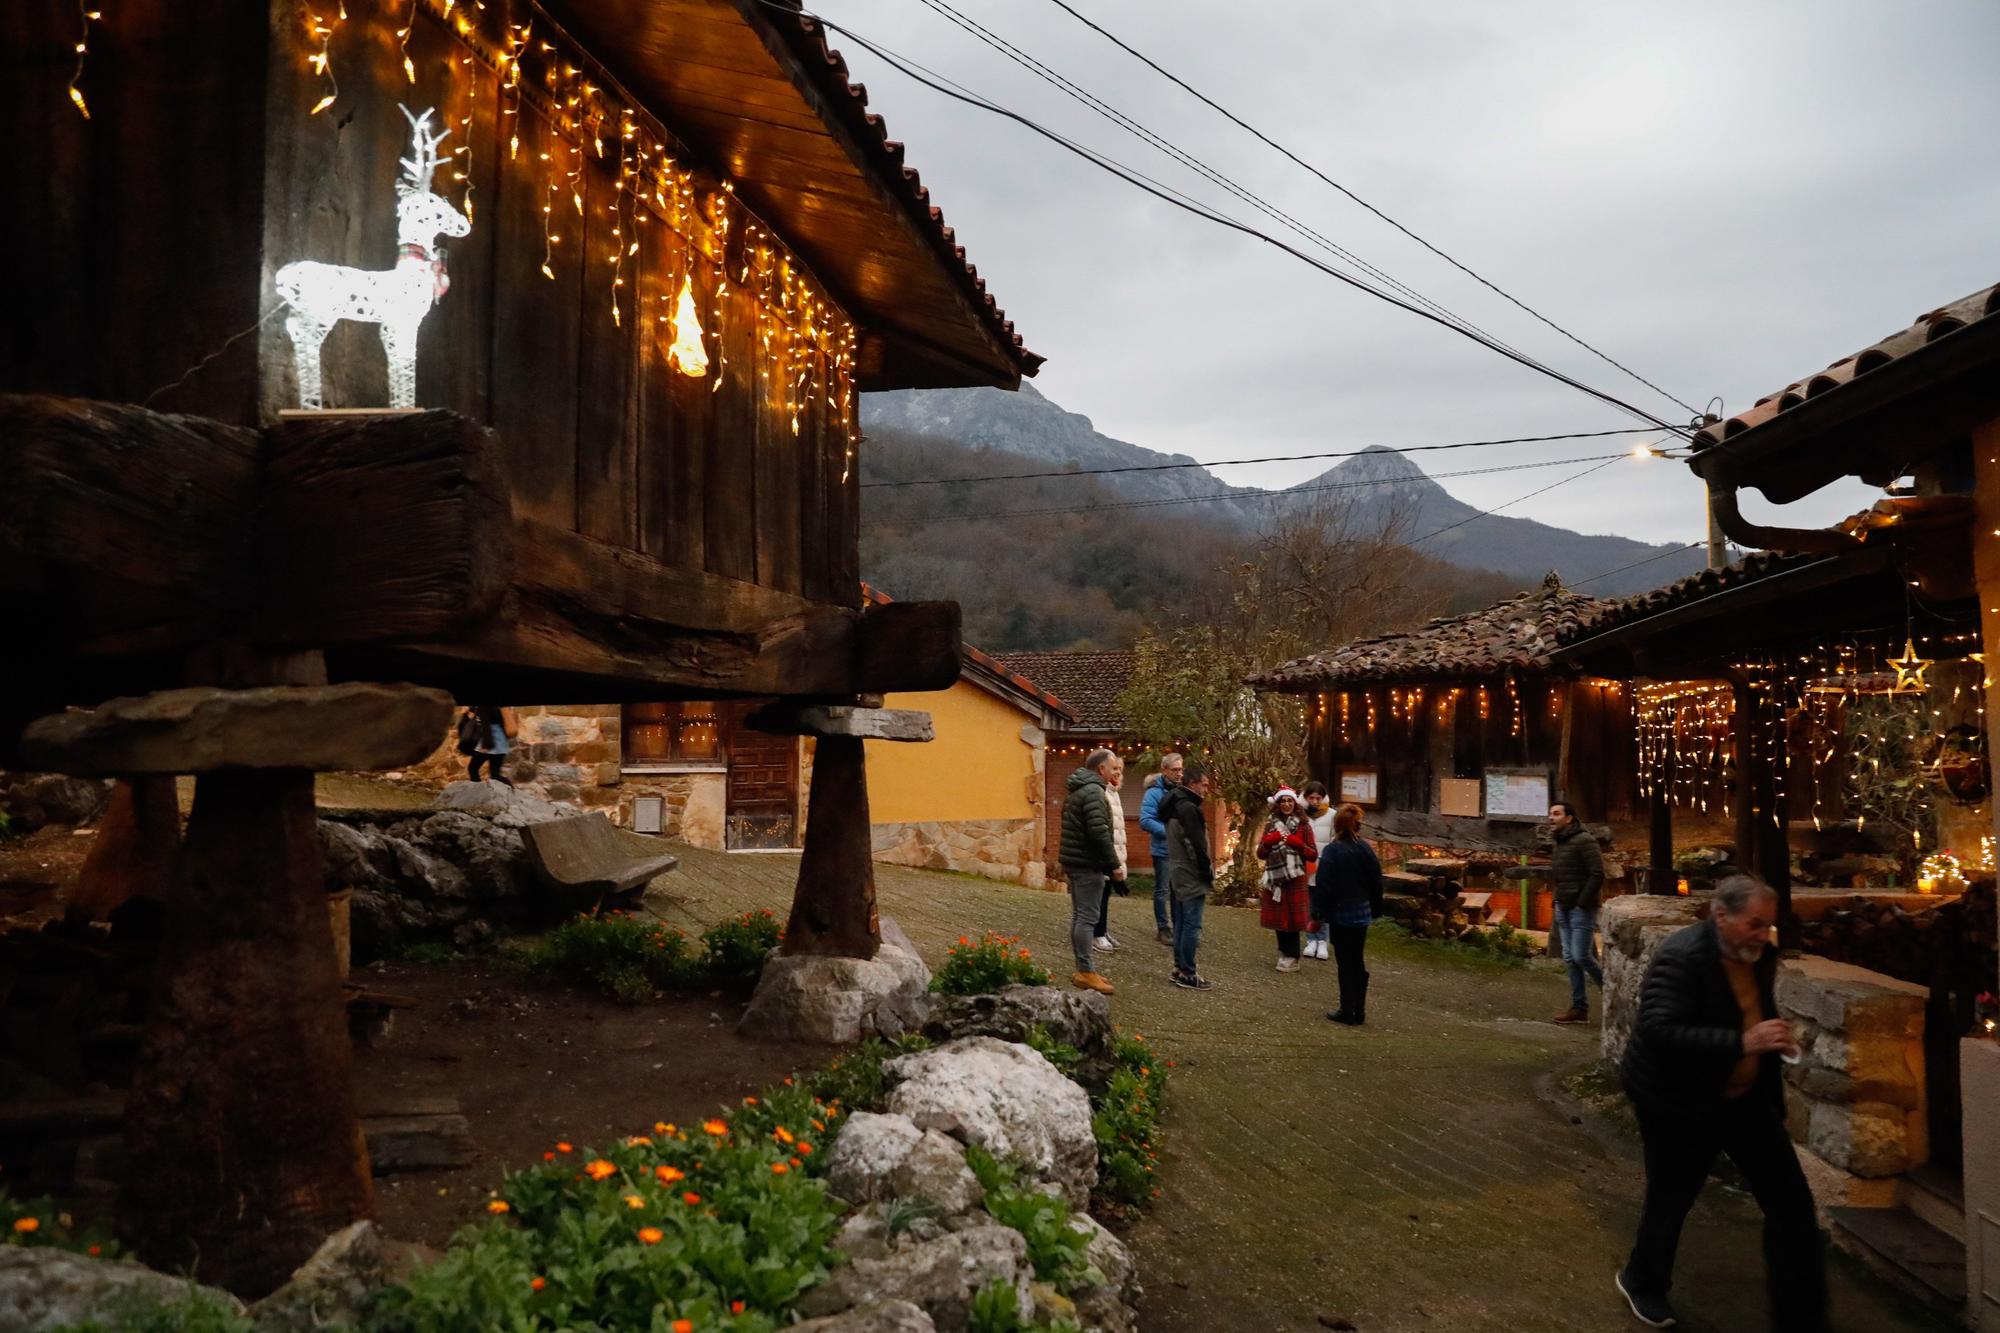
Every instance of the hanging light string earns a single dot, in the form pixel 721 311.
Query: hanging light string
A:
pixel 803 338
pixel 89 16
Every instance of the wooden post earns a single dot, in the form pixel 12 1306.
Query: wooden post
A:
pixel 244 1147
pixel 133 853
pixel 1661 876
pixel 833 909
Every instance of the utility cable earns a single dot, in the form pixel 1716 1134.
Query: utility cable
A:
pixel 1678 550
pixel 1310 488
pixel 1271 458
pixel 1134 127
pixel 1203 98
pixel 1107 164
pixel 1488 513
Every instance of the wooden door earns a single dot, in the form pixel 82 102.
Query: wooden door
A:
pixel 763 799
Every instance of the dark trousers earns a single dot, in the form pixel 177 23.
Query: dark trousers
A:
pixel 1104 912
pixel 1678 1158
pixel 1349 945
pixel 1288 944
pixel 493 764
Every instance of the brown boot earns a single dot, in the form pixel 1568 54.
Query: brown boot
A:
pixel 1572 1016
pixel 1091 981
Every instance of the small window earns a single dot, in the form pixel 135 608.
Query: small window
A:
pixel 671 733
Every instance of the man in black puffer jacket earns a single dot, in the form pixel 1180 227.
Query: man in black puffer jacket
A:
pixel 1089 855
pixel 1702 1072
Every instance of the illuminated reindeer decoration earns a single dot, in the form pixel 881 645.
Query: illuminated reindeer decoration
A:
pixel 321 295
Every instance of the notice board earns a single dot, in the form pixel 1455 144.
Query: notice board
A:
pixel 1517 793
pixel 1459 797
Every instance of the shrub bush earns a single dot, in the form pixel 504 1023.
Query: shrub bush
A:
pixel 697 1229
pixel 989 965
pixel 1063 1056
pixel 194 1312
pixel 629 960
pixel 1126 1123
pixel 856 1081
pixel 37 1223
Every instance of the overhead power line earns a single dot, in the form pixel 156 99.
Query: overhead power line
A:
pixel 1310 488
pixel 1483 281
pixel 1271 458
pixel 1201 168
pixel 1487 513
pixel 1678 550
pixel 1110 165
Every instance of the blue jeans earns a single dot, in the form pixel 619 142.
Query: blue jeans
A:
pixel 1187 932
pixel 1578 928
pixel 1160 873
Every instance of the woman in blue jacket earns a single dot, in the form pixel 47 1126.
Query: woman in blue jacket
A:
pixel 1347 895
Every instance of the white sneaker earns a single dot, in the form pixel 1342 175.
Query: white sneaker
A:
pixel 1112 940
pixel 1287 964
pixel 1103 944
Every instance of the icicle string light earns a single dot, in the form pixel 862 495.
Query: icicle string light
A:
pixel 89 16
pixel 321 60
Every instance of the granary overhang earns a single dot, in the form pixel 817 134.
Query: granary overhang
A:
pixel 753 89
pixel 1516 635
pixel 1874 414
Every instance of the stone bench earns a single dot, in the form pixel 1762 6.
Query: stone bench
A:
pixel 587 857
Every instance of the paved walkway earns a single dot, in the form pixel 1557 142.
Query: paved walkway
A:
pixel 1405 1176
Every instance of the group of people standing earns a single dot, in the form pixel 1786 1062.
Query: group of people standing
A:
pixel 1321 884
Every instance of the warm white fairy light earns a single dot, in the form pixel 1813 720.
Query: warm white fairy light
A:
pixel 76 98
pixel 322 59
pixel 687 355
pixel 403 41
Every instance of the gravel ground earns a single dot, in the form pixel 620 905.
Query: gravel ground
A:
pixel 1403 1176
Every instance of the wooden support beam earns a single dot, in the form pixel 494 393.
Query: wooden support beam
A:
pixel 132 855
pixel 379 529
pixel 874 724
pixel 909 647
pixel 122 531
pixel 322 728
pixel 241 1125
pixel 833 908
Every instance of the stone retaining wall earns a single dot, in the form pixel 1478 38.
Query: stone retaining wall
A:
pixel 1633 927
pixel 1006 849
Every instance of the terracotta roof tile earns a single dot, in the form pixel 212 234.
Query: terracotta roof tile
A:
pixel 828 69
pixel 1516 634
pixel 1928 328
pixel 1089 682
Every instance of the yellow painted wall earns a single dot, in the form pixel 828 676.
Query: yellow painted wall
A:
pixel 978 767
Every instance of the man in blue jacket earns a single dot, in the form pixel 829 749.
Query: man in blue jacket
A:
pixel 1152 820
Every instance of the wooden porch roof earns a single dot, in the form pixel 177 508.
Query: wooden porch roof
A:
pixel 758 94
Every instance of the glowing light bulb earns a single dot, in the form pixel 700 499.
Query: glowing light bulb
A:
pixel 687 354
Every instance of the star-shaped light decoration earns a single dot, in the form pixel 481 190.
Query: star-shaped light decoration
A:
pixel 1910 668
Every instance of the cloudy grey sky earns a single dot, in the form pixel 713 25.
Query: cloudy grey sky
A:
pixel 1724 196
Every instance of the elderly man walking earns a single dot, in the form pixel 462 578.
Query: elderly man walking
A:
pixel 1702 1072
pixel 1089 857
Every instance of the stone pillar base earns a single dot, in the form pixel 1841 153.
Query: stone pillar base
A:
pixel 825 998
pixel 1979 1075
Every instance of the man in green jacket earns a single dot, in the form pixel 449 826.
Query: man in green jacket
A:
pixel 1089 856
pixel 1576 872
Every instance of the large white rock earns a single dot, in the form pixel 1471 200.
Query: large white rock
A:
pixel 941 1276
pixel 501 803
pixel 876 1317
pixel 935 1171
pixel 1007 1099
pixel 841 1000
pixel 45 1289
pixel 1108 1255
pixel 330 1289
pixel 864 1158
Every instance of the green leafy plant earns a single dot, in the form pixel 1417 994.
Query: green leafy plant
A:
pixel 1064 1057
pixel 996 1309
pixel 38 1223
pixel 1126 1123
pixel 736 950
pixel 1055 1248
pixel 989 965
pixel 195 1312
pixel 856 1081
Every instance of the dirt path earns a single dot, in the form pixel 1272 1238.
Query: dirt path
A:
pixel 1405 1176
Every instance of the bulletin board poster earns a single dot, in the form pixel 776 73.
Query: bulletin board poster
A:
pixel 1360 786
pixel 1517 793
pixel 1460 797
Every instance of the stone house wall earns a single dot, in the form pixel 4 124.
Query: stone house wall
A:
pixel 1006 849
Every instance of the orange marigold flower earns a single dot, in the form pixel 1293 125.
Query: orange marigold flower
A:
pixel 652 1235
pixel 690 1198
pixel 668 1174
pixel 805 1149
pixel 537 1283
pixel 94 1251
pixel 548 1157
pixel 749 1101
pixel 683 1326
pixel 634 1201
pixel 819 1125
pixel 26 1224
pixel 599 1169
pixel 779 1168
pixel 638 1141
pixel 563 1147
pixel 782 1135
pixel 715 1127
pixel 496 1206
pixel 662 1127
pixel 797 1162
pixel 963 940
pixel 736 1307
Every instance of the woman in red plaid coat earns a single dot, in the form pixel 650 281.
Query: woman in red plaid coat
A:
pixel 1283 903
